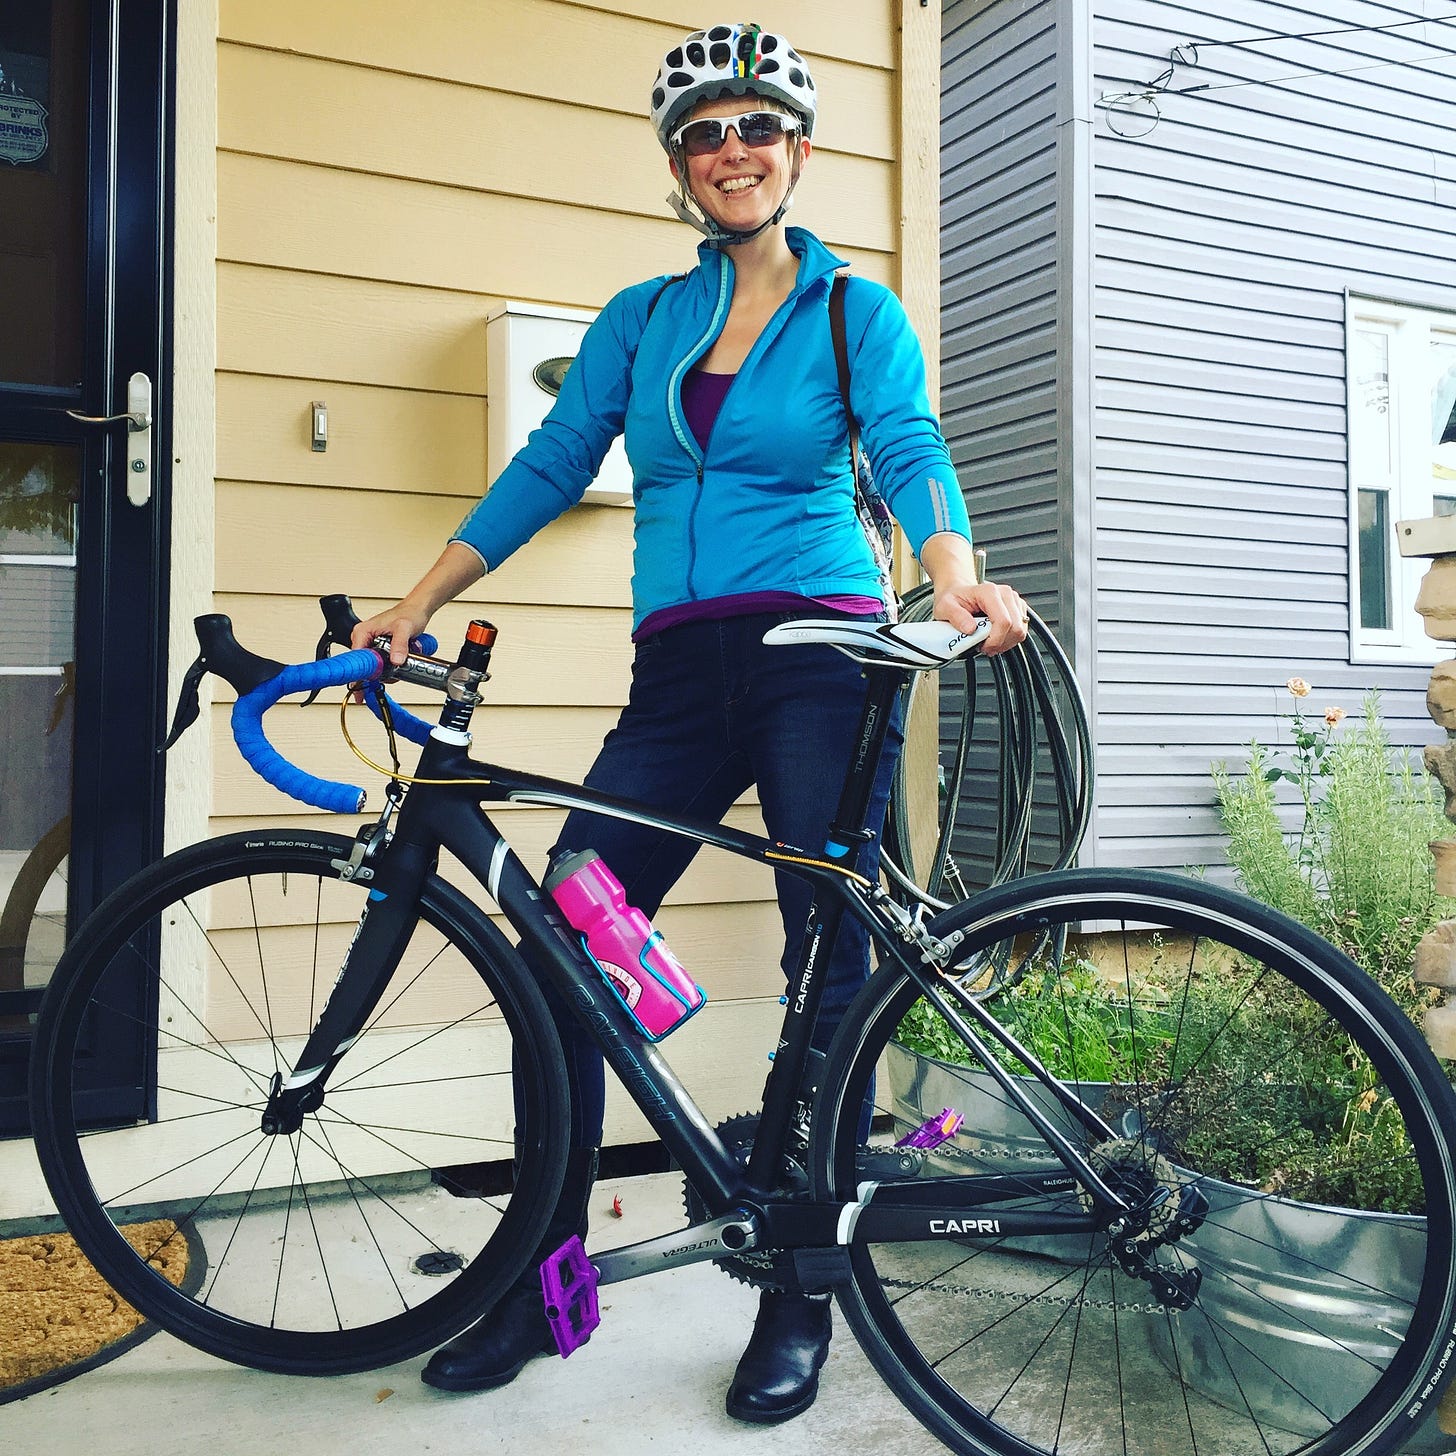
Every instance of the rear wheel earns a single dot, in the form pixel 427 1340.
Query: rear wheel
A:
pixel 391 1217
pixel 1278 1119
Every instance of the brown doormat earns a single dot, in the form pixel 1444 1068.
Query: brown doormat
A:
pixel 59 1318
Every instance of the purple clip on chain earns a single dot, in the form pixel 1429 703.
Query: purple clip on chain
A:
pixel 569 1286
pixel 934 1130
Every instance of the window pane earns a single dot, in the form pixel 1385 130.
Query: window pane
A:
pixel 1370 432
pixel 38 486
pixel 1374 537
pixel 1443 410
pixel 43 90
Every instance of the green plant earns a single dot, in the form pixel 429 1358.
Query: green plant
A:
pixel 1355 867
pixel 1078 1024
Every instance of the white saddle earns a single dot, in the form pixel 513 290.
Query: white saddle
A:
pixel 912 645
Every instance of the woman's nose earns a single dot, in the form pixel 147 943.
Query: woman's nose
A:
pixel 733 144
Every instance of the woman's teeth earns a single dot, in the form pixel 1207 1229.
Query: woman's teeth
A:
pixel 738 184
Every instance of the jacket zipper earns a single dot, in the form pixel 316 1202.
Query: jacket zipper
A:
pixel 674 386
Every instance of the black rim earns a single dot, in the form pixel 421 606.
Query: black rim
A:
pixel 361 1339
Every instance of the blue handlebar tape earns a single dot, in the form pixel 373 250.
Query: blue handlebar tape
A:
pixel 426 643
pixel 405 722
pixel 265 760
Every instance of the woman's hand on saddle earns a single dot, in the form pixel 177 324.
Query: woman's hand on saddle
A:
pixel 960 598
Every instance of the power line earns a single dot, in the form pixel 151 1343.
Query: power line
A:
pixel 1341 30
pixel 1125 103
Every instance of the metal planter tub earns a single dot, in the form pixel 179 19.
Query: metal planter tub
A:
pixel 1297 1297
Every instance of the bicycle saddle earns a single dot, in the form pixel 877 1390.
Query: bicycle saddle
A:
pixel 912 645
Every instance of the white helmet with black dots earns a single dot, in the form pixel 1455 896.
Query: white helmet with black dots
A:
pixel 731 60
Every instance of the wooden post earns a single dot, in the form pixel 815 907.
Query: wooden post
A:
pixel 1435 963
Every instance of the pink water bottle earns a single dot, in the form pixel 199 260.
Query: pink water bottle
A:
pixel 649 980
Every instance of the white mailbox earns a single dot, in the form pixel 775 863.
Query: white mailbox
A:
pixel 528 348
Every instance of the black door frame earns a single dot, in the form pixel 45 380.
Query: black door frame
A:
pixel 122 557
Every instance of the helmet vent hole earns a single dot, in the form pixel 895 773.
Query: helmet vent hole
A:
pixel 768 43
pixel 696 55
pixel 675 58
pixel 679 78
pixel 720 32
pixel 720 55
pixel 796 76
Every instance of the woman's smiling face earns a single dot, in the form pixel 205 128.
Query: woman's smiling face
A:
pixel 740 186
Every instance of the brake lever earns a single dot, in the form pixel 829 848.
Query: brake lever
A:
pixel 223 654
pixel 188 707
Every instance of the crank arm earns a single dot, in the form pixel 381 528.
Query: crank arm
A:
pixel 730 1234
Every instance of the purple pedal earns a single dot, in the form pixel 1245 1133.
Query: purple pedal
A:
pixel 934 1130
pixel 569 1286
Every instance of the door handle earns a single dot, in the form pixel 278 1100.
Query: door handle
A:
pixel 138 417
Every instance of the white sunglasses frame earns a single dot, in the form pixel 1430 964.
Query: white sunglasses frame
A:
pixel 790 125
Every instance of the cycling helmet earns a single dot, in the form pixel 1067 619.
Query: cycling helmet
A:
pixel 730 60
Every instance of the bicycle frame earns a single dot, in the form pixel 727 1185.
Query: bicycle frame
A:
pixel 445 809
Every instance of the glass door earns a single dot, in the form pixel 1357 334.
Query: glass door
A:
pixel 84 143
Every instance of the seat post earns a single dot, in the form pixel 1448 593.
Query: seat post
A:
pixel 847 831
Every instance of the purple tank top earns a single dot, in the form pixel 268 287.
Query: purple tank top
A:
pixel 702 398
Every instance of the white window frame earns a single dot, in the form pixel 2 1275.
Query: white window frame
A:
pixel 1408 331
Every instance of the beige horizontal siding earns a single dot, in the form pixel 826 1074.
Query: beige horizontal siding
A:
pixel 271 538
pixel 554 51
pixel 504 143
pixel 385 180
pixel 296 215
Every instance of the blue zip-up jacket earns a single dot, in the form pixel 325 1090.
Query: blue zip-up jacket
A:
pixel 769 505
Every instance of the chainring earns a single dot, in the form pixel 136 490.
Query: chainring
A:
pixel 762 1268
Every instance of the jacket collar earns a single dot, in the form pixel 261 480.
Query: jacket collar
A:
pixel 816 262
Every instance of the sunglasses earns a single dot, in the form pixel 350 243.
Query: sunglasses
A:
pixel 754 128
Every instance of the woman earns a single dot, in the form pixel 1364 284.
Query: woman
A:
pixel 725 386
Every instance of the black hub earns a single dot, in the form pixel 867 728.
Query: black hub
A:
pixel 287 1107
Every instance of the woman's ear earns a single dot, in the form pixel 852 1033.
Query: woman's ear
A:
pixel 672 166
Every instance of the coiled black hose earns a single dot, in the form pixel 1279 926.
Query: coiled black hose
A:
pixel 1041 731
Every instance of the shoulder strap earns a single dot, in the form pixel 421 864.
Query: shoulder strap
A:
pixel 656 297
pixel 841 360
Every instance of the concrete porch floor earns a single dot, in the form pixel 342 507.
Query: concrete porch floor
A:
pixel 652 1378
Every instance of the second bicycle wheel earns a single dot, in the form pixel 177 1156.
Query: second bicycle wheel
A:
pixel 1279 1123
pixel 390 1218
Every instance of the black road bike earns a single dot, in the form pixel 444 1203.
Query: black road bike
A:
pixel 322 1167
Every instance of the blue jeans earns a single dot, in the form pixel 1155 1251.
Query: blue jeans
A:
pixel 712 710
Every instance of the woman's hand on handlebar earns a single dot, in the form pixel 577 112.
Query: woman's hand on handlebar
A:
pixel 457 568
pixel 401 624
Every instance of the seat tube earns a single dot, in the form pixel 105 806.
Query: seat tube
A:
pixel 847 836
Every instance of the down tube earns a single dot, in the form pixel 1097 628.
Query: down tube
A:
pixel 552 949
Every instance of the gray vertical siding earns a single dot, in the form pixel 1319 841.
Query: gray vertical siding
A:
pixel 999 325
pixel 998 278
pixel 1222 246
pixel 1224 243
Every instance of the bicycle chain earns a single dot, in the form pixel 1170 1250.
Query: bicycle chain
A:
pixel 1061 1301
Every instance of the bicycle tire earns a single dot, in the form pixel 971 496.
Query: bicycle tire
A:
pixel 365 1237
pixel 1259 1067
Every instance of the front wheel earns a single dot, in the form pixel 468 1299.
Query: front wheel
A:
pixel 1277 1121
pixel 390 1218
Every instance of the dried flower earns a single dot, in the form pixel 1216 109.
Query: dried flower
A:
pixel 1298 687
pixel 1334 716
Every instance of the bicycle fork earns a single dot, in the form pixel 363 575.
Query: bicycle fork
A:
pixel 385 925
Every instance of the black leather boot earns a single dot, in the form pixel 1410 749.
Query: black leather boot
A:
pixel 493 1351
pixel 778 1375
